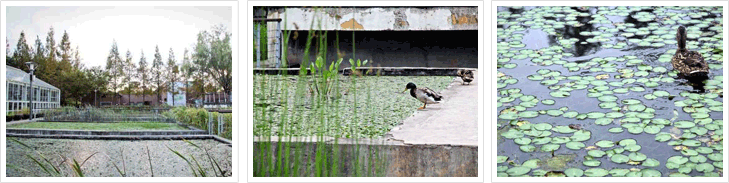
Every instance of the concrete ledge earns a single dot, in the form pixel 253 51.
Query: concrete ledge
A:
pixel 394 158
pixel 103 132
pixel 383 71
pixel 112 137
pixel 124 137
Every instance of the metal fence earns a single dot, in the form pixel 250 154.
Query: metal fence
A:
pixel 275 39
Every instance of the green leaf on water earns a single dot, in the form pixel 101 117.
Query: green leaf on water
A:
pixel 704 167
pixel 550 147
pixel 596 172
pixel 650 173
pixel 619 158
pixel 574 172
pixel 619 172
pixel 532 163
pixel 636 156
pixel 592 163
pixel 615 130
pixel 501 159
pixel 527 148
pixel 596 153
pixel 518 170
pixel 679 160
pixel 575 145
pixel 650 162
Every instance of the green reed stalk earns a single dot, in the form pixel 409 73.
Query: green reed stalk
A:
pixel 285 101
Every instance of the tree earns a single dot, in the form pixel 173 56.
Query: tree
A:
pixel 158 72
pixel 99 79
pixel 8 58
pixel 172 75
pixel 112 66
pixel 51 46
pixel 186 71
pixel 66 49
pixel 77 85
pixel 77 60
pixel 143 75
pixel 39 58
pixel 129 67
pixel 213 54
pixel 22 53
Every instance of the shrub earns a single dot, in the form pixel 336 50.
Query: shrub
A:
pixel 196 117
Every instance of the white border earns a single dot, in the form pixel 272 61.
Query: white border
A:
pixel 234 47
pixel 481 72
pixel 493 112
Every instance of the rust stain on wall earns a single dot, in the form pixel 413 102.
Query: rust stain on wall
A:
pixel 463 19
pixel 403 23
pixel 351 24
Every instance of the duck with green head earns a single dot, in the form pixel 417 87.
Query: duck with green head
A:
pixel 424 94
pixel 689 64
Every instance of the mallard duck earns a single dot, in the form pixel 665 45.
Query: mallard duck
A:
pixel 424 94
pixel 466 76
pixel 688 63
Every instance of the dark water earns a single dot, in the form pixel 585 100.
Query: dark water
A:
pixel 542 34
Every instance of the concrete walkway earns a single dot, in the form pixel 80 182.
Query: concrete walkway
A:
pixel 452 122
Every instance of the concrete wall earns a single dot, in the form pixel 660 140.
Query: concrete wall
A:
pixel 378 18
pixel 386 36
pixel 394 48
pixel 394 159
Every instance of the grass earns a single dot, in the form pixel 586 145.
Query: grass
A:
pixel 121 126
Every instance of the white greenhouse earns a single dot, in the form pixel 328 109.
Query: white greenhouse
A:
pixel 45 96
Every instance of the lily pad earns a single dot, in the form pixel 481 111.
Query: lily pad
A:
pixel 518 170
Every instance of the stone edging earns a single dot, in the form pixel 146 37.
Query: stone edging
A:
pixel 114 135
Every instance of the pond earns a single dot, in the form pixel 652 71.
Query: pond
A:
pixel 367 106
pixel 590 91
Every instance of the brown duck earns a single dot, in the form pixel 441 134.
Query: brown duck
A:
pixel 466 76
pixel 690 64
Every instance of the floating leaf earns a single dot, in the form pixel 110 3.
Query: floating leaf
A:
pixel 650 162
pixel 501 159
pixel 596 172
pixel 528 148
pixel 573 172
pixel 619 158
pixel 592 163
pixel 615 130
pixel 518 170
pixel 650 173
pixel 574 145
pixel 532 163
pixel 636 156
pixel 679 160
pixel 550 147
pixel 596 153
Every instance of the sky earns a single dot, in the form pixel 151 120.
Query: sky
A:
pixel 137 29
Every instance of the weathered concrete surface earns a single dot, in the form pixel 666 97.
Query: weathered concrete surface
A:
pixel 378 18
pixel 375 157
pixel 457 48
pixel 386 36
pixel 114 135
pixel 452 122
pixel 382 71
